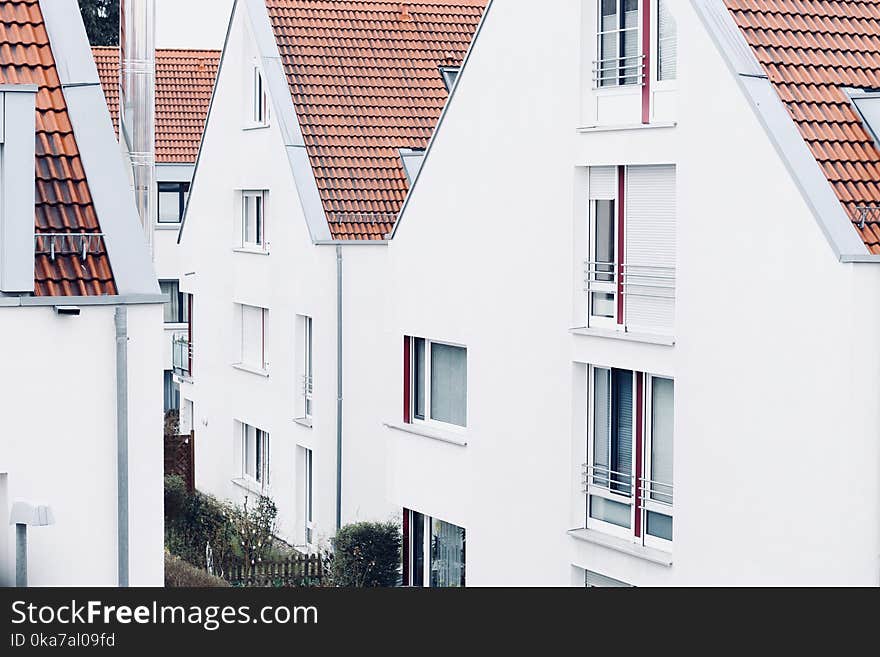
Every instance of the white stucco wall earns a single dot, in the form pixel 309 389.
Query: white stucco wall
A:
pixel 59 445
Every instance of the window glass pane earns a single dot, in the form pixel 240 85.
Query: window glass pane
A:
pixel 171 292
pixel 662 420
pixel 630 13
pixel 172 393
pixel 258 219
pixel 609 14
pixel 611 512
pixel 604 256
pixel 601 426
pixel 449 384
pixel 169 203
pixel 631 64
pixel 667 42
pixel 622 431
pixel 250 455
pixel 447 555
pixel 660 525
pixel 417 532
pixel 258 443
pixel 607 67
pixel 419 378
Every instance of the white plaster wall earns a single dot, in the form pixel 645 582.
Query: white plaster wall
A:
pixel 59 444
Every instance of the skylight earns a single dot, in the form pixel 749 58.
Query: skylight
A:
pixel 450 75
pixel 867 103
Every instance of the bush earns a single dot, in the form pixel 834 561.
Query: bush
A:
pixel 193 521
pixel 367 555
pixel 180 574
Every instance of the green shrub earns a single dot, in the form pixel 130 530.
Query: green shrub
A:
pixel 367 555
pixel 180 574
pixel 193 521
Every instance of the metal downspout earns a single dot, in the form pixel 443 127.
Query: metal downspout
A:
pixel 338 388
pixel 122 444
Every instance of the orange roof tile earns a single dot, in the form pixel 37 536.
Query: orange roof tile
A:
pixel 811 50
pixel 63 199
pixel 184 83
pixel 365 81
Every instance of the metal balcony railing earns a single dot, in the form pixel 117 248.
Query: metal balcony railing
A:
pixel 625 484
pixel 647 281
pixel 307 387
pixel 619 71
pixel 81 245
pixel 182 354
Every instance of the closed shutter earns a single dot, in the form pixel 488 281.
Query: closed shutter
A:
pixel 650 249
pixel 252 336
pixel 603 183
pixel 597 581
pixel 667 42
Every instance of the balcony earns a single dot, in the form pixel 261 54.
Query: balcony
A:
pixel 182 356
pixel 619 72
pixel 647 293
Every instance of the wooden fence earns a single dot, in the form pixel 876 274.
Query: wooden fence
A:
pixel 180 458
pixel 305 570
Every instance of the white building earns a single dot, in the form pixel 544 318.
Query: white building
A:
pixel 184 83
pixel 648 223
pixel 81 318
pixel 305 162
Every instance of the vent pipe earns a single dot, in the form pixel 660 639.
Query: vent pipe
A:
pixel 137 86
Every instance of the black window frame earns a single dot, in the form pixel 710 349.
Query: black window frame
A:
pixel 181 189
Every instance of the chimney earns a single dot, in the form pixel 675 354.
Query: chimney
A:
pixel 137 102
pixel 405 16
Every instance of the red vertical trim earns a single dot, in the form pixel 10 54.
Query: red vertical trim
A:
pixel 646 51
pixel 621 239
pixel 406 579
pixel 407 380
pixel 189 332
pixel 640 413
pixel 263 338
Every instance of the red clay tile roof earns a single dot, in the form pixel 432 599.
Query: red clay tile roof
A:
pixel 811 50
pixel 184 83
pixel 365 81
pixel 63 200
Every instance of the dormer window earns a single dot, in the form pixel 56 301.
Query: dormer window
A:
pixel 450 75
pixel 412 159
pixel 620 61
pixel 261 100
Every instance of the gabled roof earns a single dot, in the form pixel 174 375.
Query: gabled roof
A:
pixel 811 51
pixel 64 201
pixel 365 81
pixel 184 83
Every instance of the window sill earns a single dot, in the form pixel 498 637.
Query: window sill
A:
pixel 303 422
pixel 585 130
pixel 255 126
pixel 183 378
pixel 428 432
pixel 251 370
pixel 251 250
pixel 646 338
pixel 176 326
pixel 622 545
pixel 168 226
pixel 250 486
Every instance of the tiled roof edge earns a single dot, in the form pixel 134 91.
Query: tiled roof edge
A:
pixel 781 129
pixel 436 132
pixel 101 157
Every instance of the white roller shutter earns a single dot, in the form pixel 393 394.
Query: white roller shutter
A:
pixel 603 183
pixel 252 336
pixel 650 249
pixel 597 581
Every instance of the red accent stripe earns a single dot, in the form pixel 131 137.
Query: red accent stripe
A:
pixel 621 239
pixel 189 331
pixel 406 579
pixel 640 394
pixel 646 51
pixel 407 380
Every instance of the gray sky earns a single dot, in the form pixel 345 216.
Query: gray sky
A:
pixel 191 23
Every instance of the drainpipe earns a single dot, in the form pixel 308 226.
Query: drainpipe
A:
pixel 338 387
pixel 122 443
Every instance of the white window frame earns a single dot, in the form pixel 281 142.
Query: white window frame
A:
pixel 657 83
pixel 309 497
pixel 599 287
pixel 308 383
pixel 257 199
pixel 427 532
pixel 428 420
pixel 619 30
pixel 260 100
pixel 594 491
pixel 260 477
pixel 263 365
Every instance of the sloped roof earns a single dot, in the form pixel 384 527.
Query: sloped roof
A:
pixel 811 50
pixel 365 81
pixel 63 199
pixel 184 83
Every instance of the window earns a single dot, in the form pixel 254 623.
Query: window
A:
pixel 667 42
pixel 260 100
pixel 255 455
pixel 253 346
pixel 253 219
pixel 620 60
pixel 630 268
pixel 450 75
pixel 176 304
pixel 172 201
pixel 437 388
pixel 412 159
pixel 308 496
pixel 434 552
pixel 630 447
pixel 172 392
